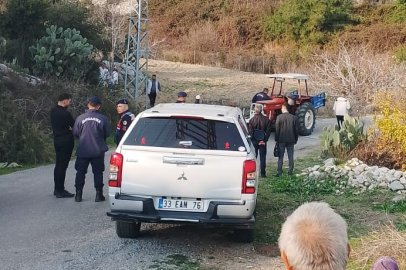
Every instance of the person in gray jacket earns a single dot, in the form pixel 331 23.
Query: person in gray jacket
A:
pixel 286 137
pixel 91 128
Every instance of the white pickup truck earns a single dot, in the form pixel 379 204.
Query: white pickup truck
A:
pixel 181 163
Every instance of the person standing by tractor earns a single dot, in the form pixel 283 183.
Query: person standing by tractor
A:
pixel 126 117
pixel 290 102
pixel 259 127
pixel 341 108
pixel 286 137
pixel 261 95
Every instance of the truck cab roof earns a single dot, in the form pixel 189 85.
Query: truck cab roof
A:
pixel 197 110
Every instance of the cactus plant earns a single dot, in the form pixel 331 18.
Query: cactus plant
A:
pixel 334 140
pixel 61 53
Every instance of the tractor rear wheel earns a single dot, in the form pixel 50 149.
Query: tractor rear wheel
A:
pixel 305 119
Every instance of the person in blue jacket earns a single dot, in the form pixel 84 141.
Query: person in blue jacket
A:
pixel 91 128
pixel 261 96
pixel 126 117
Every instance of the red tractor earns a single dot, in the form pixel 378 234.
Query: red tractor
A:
pixel 304 107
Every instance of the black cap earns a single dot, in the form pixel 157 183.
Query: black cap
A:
pixel 95 100
pixel 122 101
pixel 182 94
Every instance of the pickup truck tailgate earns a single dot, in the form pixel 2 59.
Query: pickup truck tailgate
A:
pixel 203 174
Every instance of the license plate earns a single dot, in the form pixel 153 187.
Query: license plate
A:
pixel 190 205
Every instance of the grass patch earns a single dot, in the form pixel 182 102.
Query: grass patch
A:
pixel 178 262
pixel 279 197
pixel 392 207
pixel 4 171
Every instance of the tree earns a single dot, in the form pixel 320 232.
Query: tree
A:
pixel 308 21
pixel 24 20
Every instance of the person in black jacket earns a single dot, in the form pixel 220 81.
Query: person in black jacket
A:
pixel 62 124
pixel 286 137
pixel 259 127
pixel 91 128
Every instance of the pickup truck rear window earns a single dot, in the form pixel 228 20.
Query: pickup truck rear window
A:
pixel 187 133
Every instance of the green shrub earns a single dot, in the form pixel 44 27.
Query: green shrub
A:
pixel 308 21
pixel 22 140
pixel 399 54
pixel 15 66
pixel 398 12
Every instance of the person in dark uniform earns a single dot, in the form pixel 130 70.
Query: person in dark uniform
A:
pixel 62 124
pixel 126 117
pixel 259 127
pixel 181 97
pixel 261 96
pixel 91 128
pixel 286 137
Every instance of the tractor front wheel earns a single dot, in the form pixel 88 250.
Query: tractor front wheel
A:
pixel 305 119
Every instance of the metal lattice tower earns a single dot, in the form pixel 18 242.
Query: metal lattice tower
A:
pixel 136 73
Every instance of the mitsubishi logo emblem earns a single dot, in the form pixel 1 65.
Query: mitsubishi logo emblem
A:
pixel 182 176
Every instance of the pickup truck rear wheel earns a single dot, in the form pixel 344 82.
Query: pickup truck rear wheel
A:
pixel 244 235
pixel 128 229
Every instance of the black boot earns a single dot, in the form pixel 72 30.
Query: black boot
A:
pixel 99 196
pixel 78 196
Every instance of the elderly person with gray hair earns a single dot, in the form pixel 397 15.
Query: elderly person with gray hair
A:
pixel 314 237
pixel 259 127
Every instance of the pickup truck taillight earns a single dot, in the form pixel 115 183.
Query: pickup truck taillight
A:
pixel 116 169
pixel 249 177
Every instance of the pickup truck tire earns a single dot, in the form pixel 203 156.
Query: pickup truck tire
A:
pixel 244 235
pixel 128 229
pixel 305 119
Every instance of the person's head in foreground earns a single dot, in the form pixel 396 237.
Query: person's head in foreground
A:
pixel 314 237
pixel 385 263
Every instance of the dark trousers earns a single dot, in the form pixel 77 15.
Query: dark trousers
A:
pixel 262 156
pixel 81 166
pixel 290 149
pixel 152 98
pixel 63 151
pixel 340 120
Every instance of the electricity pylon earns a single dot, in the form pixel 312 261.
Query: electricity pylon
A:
pixel 136 73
